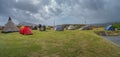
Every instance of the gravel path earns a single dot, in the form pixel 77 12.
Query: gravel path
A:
pixel 114 39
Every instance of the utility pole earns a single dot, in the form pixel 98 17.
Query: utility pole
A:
pixel 85 21
pixel 54 22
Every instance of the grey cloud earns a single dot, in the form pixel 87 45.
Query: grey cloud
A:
pixel 93 4
pixel 45 10
pixel 27 7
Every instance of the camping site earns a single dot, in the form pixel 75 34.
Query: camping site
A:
pixel 55 42
pixel 59 28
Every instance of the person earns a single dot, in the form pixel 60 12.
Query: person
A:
pixel 39 26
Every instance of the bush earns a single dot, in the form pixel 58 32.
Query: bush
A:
pixel 117 25
pixel 108 33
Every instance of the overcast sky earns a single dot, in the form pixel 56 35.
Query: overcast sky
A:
pixel 62 11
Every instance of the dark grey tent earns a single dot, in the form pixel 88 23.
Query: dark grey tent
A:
pixel 10 27
pixel 35 27
pixel 42 28
pixel 59 28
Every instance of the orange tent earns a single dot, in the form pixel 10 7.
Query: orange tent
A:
pixel 25 30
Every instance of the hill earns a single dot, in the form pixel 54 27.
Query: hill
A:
pixel 26 24
pixel 57 44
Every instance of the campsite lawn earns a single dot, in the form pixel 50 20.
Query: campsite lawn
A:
pixel 57 44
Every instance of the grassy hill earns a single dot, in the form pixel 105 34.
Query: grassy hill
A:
pixel 57 44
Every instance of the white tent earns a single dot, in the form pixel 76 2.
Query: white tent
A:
pixel 71 27
pixel 87 27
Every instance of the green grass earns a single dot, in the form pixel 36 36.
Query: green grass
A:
pixel 57 44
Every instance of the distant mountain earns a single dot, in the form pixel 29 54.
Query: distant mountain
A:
pixel 96 24
pixel 26 24
pixel 105 24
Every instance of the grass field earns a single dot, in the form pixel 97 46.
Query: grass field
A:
pixel 57 44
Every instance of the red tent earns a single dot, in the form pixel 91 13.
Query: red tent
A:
pixel 25 30
pixel 21 30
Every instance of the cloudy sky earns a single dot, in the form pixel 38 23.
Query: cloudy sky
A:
pixel 60 11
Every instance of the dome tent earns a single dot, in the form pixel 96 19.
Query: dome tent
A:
pixel 42 28
pixel 21 30
pixel 25 30
pixel 10 27
pixel 59 28
pixel 35 27
pixel 110 27
pixel 71 27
